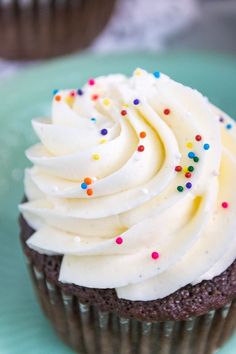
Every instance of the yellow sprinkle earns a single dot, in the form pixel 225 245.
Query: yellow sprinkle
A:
pixel 102 141
pixel 96 157
pixel 189 145
pixel 138 72
pixel 185 169
pixel 69 100
pixel 106 102
pixel 125 105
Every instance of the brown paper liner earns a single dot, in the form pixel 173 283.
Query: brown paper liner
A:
pixel 89 331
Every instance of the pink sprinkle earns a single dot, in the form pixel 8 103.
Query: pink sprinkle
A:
pixel 91 82
pixel 225 205
pixel 155 255
pixel 119 240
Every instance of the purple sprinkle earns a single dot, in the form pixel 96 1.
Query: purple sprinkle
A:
pixel 136 101
pixel 189 185
pixel 80 92
pixel 104 131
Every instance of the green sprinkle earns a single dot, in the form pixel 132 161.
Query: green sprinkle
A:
pixel 180 189
pixel 190 168
pixel 196 159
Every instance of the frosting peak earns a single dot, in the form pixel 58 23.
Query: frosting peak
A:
pixel 131 183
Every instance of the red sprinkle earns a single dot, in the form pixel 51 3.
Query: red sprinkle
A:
pixel 155 255
pixel 123 112
pixel 166 111
pixel 57 98
pixel 72 93
pixel 91 82
pixel 225 205
pixel 89 191
pixel 94 97
pixel 178 168
pixel 119 240
pixel 141 148
pixel 142 135
pixel 198 138
pixel 188 175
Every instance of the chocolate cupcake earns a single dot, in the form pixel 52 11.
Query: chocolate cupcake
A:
pixel 34 29
pixel 129 217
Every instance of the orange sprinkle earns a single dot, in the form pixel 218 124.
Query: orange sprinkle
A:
pixel 88 180
pixel 57 98
pixel 89 191
pixel 95 97
pixel 142 135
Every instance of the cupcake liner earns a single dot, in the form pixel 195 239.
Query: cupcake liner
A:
pixel 88 330
pixel 34 29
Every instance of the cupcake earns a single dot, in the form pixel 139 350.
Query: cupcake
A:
pixel 33 29
pixel 128 220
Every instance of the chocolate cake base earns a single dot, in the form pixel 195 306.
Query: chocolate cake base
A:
pixel 194 320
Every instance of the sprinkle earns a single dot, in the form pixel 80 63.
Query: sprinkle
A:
pixel 225 205
pixel 221 119
pixel 126 105
pixel 73 93
pixel 166 111
pixel 155 255
pixel 180 189
pixel 93 119
pixel 190 168
pixel 80 92
pixel 188 185
pixel 157 74
pixel 89 191
pixel 123 112
pixel 95 97
pixel 88 180
pixel 198 138
pixel 136 101
pixel 106 102
pixel 83 185
pixel 188 175
pixel 69 100
pixel 119 240
pixel 103 141
pixel 191 155
pixel 138 72
pixel 104 131
pixel 57 98
pixel 196 159
pixel 185 169
pixel 54 92
pixel 189 145
pixel 206 146
pixel 142 135
pixel 91 82
pixel 229 126
pixel 178 168
pixel 141 148
pixel 96 157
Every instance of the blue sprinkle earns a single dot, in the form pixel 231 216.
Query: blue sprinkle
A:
pixel 104 131
pixel 157 74
pixel 93 120
pixel 206 146
pixel 191 155
pixel 83 185
pixel 229 126
pixel 80 92
pixel 189 185
pixel 54 92
pixel 136 101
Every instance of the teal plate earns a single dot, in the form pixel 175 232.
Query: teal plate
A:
pixel 23 329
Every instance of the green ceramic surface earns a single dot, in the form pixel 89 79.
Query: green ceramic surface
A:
pixel 23 328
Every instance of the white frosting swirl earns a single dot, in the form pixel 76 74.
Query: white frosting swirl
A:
pixel 131 229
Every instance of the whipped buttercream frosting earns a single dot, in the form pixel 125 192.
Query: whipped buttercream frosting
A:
pixel 133 183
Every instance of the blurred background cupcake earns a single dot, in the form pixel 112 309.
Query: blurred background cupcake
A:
pixel 34 29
